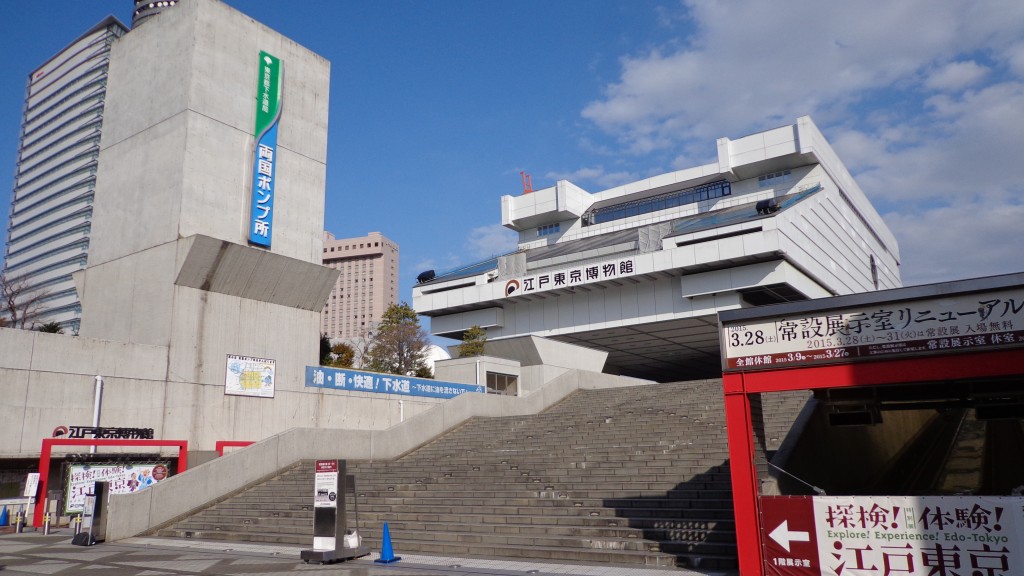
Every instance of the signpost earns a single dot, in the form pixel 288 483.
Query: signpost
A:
pixel 94 514
pixel 331 538
pixel 31 486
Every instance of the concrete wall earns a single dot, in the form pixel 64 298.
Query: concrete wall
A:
pixel 176 163
pixel 47 380
pixel 178 137
pixel 473 370
pixel 856 455
pixel 141 512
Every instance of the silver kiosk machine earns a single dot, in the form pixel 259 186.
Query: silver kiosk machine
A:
pixel 333 540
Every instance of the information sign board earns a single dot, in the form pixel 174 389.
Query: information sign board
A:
pixel 31 485
pixel 889 535
pixel 325 484
pixel 325 504
pixel 964 322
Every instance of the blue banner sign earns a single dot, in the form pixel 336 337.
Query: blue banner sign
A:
pixel 264 169
pixel 359 381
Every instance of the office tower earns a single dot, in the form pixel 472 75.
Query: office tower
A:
pixel 366 286
pixel 55 176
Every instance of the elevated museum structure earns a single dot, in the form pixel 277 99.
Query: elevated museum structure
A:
pixel 641 270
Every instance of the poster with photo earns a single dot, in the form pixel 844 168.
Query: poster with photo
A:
pixel 121 479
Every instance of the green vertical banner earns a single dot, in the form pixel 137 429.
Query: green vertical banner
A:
pixel 264 168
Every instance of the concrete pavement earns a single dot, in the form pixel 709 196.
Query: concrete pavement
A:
pixel 54 555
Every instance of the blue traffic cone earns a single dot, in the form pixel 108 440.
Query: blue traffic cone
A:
pixel 3 517
pixel 387 555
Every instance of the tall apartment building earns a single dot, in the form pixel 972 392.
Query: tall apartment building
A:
pixel 55 177
pixel 367 285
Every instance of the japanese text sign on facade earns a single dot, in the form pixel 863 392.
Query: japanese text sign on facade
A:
pixel 893 535
pixel 264 169
pixel 569 277
pixel 359 381
pixel 103 432
pixel 969 322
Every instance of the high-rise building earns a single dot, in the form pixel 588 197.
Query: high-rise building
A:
pixel 366 286
pixel 146 9
pixel 55 177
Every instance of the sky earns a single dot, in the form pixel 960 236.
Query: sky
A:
pixel 437 106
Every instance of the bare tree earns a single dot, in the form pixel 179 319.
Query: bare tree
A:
pixel 361 347
pixel 20 305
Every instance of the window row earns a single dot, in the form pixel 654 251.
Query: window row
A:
pixel 674 199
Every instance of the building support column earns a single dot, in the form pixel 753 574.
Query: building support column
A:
pixel 745 483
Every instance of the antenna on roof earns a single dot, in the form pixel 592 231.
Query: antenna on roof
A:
pixel 527 182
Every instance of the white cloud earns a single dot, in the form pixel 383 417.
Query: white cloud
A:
pixel 969 239
pixel 956 76
pixel 1014 56
pixel 437 265
pixel 493 240
pixel 923 102
pixel 594 175
pixel 752 65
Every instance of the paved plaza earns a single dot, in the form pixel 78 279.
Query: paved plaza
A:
pixel 33 553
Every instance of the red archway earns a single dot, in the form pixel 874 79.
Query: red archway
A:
pixel 739 385
pixel 49 443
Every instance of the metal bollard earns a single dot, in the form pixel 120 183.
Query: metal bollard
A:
pixel 77 524
pixel 19 523
pixel 46 524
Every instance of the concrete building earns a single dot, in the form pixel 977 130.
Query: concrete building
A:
pixel 641 271
pixel 176 295
pixel 52 201
pixel 146 9
pixel 367 283
pixel 204 290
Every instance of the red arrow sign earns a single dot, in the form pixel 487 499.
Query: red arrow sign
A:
pixel 790 541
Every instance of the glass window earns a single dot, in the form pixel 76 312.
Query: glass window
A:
pixel 506 384
pixel 670 200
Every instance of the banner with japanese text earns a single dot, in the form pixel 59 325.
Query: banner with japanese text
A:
pixel 264 169
pixel 121 479
pixel 893 535
pixel 359 381
pixel 969 322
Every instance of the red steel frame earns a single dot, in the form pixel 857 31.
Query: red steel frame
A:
pixel 738 385
pixel 222 444
pixel 49 443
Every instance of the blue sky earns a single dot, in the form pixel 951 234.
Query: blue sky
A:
pixel 437 106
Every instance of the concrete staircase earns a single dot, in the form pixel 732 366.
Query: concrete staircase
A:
pixel 634 475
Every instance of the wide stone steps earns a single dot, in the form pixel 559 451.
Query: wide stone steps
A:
pixel 476 524
pixel 607 498
pixel 626 476
pixel 301 520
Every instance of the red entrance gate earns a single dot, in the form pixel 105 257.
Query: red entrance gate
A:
pixel 738 387
pixel 49 443
pixel 945 333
